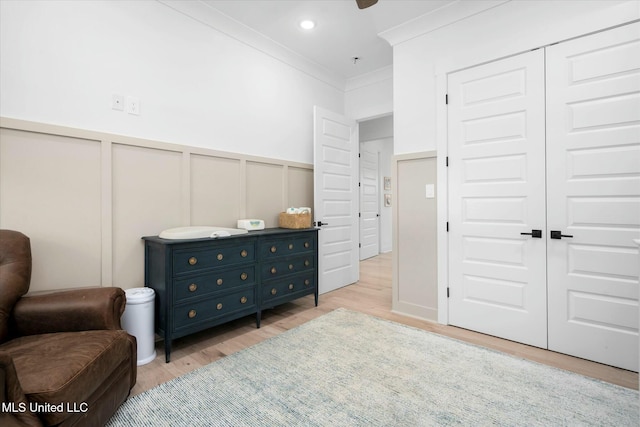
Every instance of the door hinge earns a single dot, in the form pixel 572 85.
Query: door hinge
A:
pixel 359 214
pixel 447 292
pixel 359 184
pixel 446 99
pixel 446 161
pixel 359 245
pixel 358 154
pixel 447 226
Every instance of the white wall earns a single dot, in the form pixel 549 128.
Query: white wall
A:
pixel 379 128
pixel 61 61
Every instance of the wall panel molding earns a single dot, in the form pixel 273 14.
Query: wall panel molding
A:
pixel 131 187
pixel 414 257
pixel 106 230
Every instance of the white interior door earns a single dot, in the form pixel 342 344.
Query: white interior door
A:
pixel 335 140
pixel 593 166
pixel 497 275
pixel 369 203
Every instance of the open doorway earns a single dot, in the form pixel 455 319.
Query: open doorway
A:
pixel 376 152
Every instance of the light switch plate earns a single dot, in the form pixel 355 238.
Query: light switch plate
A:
pixel 430 191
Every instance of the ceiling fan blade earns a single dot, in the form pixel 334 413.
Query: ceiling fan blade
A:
pixel 363 4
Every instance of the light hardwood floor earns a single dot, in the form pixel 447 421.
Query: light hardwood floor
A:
pixel 371 295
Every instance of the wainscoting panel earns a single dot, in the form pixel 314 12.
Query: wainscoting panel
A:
pixel 216 190
pixel 415 290
pixel 86 198
pixel 50 190
pixel 265 192
pixel 146 200
pixel 300 187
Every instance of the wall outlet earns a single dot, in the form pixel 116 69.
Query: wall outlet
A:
pixel 117 102
pixel 133 105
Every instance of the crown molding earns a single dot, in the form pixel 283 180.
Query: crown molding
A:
pixel 429 22
pixel 218 21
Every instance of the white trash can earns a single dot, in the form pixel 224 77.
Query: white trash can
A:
pixel 137 319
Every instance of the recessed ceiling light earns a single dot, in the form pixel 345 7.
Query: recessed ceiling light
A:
pixel 307 24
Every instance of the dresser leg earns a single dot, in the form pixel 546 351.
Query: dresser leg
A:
pixel 167 349
pixel 258 318
pixel 316 295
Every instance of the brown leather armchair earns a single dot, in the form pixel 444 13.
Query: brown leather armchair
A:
pixel 64 358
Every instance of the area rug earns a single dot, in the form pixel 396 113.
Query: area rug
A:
pixel 350 369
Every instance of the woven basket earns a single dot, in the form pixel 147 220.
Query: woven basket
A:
pixel 294 221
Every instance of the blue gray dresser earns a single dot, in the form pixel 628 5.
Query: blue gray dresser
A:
pixel 201 283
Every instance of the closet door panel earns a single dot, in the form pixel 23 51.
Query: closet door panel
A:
pixel 593 195
pixel 496 192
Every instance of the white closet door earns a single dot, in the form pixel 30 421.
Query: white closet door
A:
pixel 497 276
pixel 593 166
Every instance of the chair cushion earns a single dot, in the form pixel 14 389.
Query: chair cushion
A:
pixel 66 367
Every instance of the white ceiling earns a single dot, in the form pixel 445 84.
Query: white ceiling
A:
pixel 342 30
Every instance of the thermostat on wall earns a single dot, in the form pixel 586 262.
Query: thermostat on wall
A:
pixel 251 224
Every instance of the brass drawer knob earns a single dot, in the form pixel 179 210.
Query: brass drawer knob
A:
pixel 290 266
pixel 273 270
pixel 306 263
pixel 243 300
pixel 306 244
pixel 307 282
pixel 273 249
pixel 193 287
pixel 219 282
pixel 193 260
pixel 244 276
pixel 290 246
pixel 219 306
pixel 274 291
pixel 244 253
pixel 290 286
pixel 192 314
pixel 219 257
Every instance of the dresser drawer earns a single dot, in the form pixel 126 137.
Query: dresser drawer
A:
pixel 202 311
pixel 192 260
pixel 286 247
pixel 279 267
pixel 221 280
pixel 303 283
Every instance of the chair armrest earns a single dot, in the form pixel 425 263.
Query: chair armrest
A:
pixel 69 311
pixel 16 410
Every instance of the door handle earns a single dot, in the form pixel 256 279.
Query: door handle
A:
pixel 555 234
pixel 534 234
pixel 320 223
